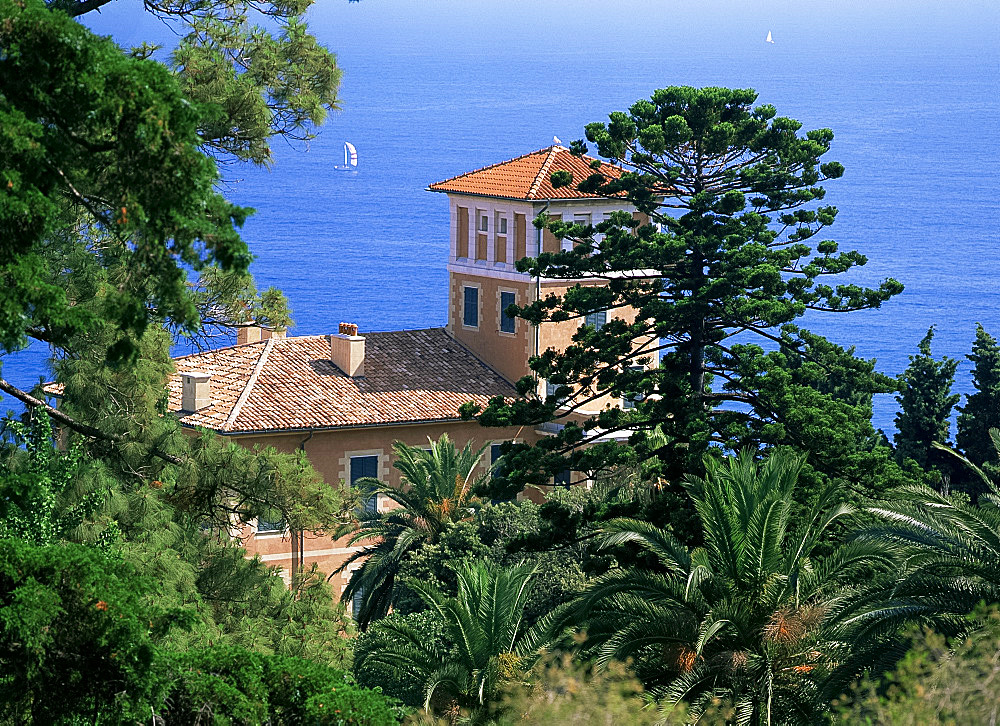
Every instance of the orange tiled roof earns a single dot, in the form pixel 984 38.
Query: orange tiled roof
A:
pixel 527 177
pixel 290 383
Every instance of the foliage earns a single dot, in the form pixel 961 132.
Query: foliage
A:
pixel 982 409
pixel 77 634
pixel 749 618
pixel 733 195
pixel 33 479
pixel 952 549
pixel 371 672
pixel 925 403
pixel 235 686
pixel 493 535
pixel 139 523
pixel 259 81
pixel 91 137
pixel 560 689
pixel 484 623
pixel 436 489
pixel 939 683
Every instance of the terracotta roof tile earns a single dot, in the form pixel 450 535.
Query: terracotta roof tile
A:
pixel 527 177
pixel 411 375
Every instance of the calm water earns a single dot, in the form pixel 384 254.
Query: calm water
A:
pixel 432 89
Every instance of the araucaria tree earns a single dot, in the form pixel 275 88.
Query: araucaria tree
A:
pixel 725 265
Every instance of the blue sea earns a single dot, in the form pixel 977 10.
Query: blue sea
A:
pixel 434 88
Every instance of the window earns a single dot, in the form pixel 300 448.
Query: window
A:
pixel 484 223
pixel 500 242
pixel 498 473
pixel 520 237
pixel 550 390
pixel 508 323
pixel 630 399
pixel 562 479
pixel 596 320
pixel 270 523
pixel 365 466
pixel 583 219
pixel 462 233
pixel 470 311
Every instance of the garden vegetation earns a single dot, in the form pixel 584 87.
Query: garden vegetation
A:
pixel 751 551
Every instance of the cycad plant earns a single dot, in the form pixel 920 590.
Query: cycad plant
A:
pixel 488 644
pixel 750 618
pixel 952 549
pixel 436 489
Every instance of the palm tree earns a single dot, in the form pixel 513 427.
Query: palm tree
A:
pixel 952 550
pixel 436 490
pixel 484 623
pixel 750 617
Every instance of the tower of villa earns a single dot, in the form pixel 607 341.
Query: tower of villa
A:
pixel 491 213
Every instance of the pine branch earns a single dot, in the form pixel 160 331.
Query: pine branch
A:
pixel 81 428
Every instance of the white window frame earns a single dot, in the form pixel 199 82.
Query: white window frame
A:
pixel 270 532
pixel 597 324
pixel 500 316
pixel 479 305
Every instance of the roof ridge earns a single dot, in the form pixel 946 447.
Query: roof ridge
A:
pixel 245 393
pixel 215 350
pixel 543 150
pixel 540 176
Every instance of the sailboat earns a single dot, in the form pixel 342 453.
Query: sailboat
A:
pixel 769 39
pixel 350 158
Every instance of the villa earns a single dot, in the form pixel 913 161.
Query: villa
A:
pixel 343 398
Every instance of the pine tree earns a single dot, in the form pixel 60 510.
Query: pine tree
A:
pixel 982 409
pixel 259 81
pixel 926 403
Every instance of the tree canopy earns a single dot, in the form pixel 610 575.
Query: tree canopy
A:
pixel 101 165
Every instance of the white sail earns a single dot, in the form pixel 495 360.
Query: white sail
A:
pixel 350 154
pixel 769 39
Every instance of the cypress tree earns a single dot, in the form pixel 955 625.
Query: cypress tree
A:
pixel 926 403
pixel 982 409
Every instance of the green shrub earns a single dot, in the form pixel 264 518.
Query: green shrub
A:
pixel 938 683
pixel 76 637
pixel 235 686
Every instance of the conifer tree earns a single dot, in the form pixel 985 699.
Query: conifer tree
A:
pixel 926 403
pixel 982 409
pixel 724 267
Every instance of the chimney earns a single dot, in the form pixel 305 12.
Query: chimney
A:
pixel 347 350
pixel 196 391
pixel 249 334
pixel 256 333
